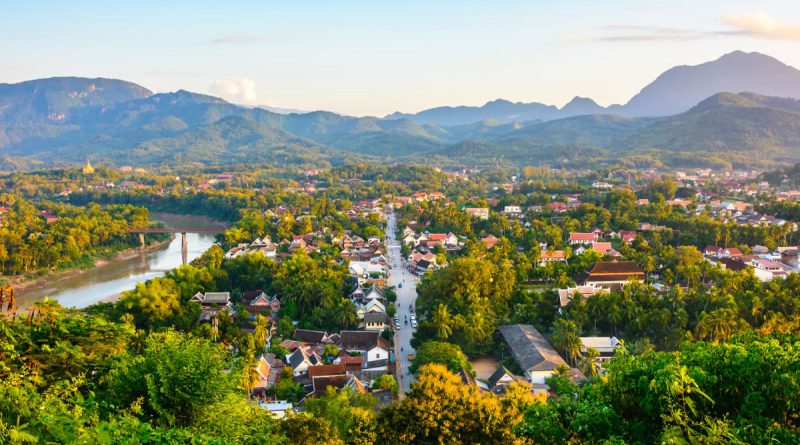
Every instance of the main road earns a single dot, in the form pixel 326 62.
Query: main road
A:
pixel 406 298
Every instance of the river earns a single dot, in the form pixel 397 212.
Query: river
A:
pixel 119 275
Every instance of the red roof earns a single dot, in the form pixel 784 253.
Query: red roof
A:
pixel 578 236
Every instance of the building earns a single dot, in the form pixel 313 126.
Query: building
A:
pixel 611 274
pixel 212 298
pixel 369 344
pixel 375 321
pixel 532 352
pixel 604 345
pixel 582 238
pixel 549 256
pixel 481 213
pixel 565 296
pixel 88 169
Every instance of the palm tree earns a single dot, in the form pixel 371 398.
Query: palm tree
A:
pixel 590 363
pixel 261 332
pixel 718 325
pixel 250 375
pixel 346 315
pixel 441 320
pixel 566 340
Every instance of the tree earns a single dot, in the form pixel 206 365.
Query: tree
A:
pixel 176 377
pixel 342 409
pixel 566 339
pixel 261 332
pixel 441 409
pixel 443 353
pixel 589 363
pixel 441 322
pixel 152 303
pixel 386 381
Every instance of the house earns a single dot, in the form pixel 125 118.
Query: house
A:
pixel 213 299
pixel 604 345
pixel 320 384
pixel 258 302
pixel 549 256
pixel 627 236
pixel 324 370
pixel 351 363
pixel 481 213
pixel 611 274
pixel 565 296
pixel 375 321
pixel 310 336
pixel 605 248
pixel 582 238
pixel 723 252
pixel 369 344
pixel 766 269
pixel 268 368
pixel 300 361
pixel 531 351
pixel 512 210
pixel 500 379
pixel 489 241
pixel 368 307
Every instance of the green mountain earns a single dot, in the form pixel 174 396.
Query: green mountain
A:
pixel 755 126
pixel 63 121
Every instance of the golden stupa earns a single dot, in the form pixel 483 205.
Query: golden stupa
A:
pixel 88 169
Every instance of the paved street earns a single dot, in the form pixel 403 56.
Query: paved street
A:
pixel 406 296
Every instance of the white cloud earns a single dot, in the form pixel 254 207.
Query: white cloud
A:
pixel 760 24
pixel 236 90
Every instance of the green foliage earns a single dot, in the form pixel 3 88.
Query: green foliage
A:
pixel 462 302
pixel 443 353
pixel 175 377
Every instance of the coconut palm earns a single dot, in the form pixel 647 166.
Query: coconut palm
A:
pixel 261 332
pixel 565 339
pixel 441 320
pixel 346 315
pixel 250 375
pixel 590 363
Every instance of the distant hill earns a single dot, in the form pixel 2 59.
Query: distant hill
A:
pixel 680 88
pixel 52 101
pixel 754 125
pixel 499 110
pixel 674 91
pixel 63 121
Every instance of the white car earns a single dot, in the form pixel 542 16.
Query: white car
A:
pixel 414 324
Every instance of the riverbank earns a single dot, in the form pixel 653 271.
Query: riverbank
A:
pixel 20 283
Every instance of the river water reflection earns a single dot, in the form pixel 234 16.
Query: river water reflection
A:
pixel 103 282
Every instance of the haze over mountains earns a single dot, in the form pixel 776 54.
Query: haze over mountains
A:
pixel 680 117
pixel 674 91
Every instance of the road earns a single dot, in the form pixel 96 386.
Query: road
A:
pixel 406 295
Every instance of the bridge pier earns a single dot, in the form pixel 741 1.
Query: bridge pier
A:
pixel 184 249
pixel 141 240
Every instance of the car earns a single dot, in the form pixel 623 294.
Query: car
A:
pixel 397 326
pixel 410 356
pixel 414 324
pixel 400 285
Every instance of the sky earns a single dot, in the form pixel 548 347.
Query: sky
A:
pixel 375 57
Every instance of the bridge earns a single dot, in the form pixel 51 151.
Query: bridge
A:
pixel 183 231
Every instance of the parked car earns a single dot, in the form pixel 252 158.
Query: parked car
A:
pixel 410 356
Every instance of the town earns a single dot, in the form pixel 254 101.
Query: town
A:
pixel 522 288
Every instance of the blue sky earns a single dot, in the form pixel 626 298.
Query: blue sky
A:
pixel 375 57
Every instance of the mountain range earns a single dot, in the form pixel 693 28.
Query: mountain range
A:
pixel 687 115
pixel 674 91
